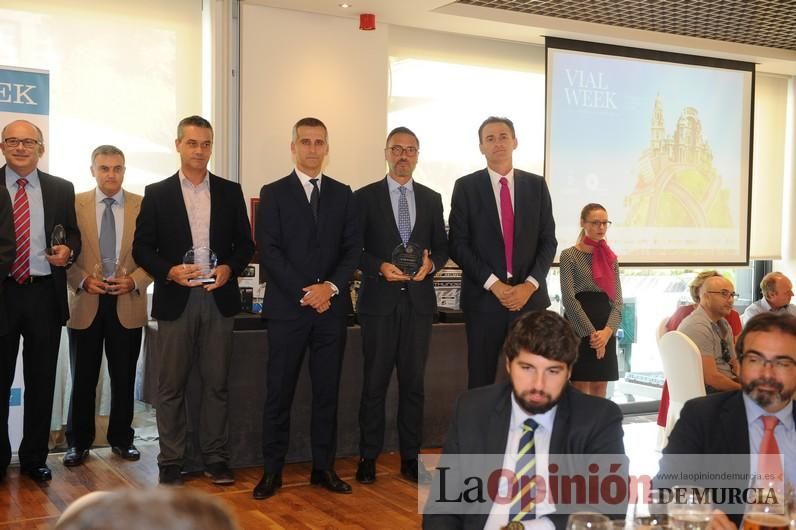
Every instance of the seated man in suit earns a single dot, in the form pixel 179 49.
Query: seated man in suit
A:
pixel 536 414
pixel 777 292
pixel 756 420
pixel 107 307
pixel 396 310
pixel 707 326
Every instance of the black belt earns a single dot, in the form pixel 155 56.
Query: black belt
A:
pixel 30 280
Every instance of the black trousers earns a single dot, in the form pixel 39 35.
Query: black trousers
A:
pixel 33 315
pixel 121 348
pixel 399 340
pixel 288 340
pixel 486 333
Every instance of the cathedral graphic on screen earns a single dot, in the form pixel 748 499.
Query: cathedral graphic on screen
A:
pixel 676 182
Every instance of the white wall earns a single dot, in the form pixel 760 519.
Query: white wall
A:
pixel 297 64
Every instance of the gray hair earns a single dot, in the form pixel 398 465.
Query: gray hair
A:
pixel 106 150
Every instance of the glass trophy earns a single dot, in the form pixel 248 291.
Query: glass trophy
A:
pixel 107 271
pixel 58 237
pixel 207 261
pixel 408 258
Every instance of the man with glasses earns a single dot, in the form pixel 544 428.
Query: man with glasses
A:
pixel 756 420
pixel 502 235
pixel 777 292
pixel 396 307
pixel 35 290
pixel 708 328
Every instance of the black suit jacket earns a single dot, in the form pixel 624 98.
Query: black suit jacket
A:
pixel 163 236
pixel 295 251
pixel 377 296
pixel 476 238
pixel 584 425
pixel 7 248
pixel 58 196
pixel 713 425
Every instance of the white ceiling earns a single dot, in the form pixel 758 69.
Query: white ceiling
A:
pixel 453 17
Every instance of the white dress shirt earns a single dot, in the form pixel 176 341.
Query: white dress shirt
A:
pixel 197 204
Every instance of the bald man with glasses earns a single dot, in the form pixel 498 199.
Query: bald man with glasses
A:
pixel 708 328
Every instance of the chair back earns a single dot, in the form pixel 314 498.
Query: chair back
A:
pixel 682 367
pixel 661 329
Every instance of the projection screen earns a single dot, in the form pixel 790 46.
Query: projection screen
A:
pixel 662 140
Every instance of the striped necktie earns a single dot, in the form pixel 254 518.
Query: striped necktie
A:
pixel 20 270
pixel 523 506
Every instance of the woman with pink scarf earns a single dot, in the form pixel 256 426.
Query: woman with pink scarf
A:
pixel 592 297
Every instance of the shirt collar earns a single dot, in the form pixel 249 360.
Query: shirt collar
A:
pixel 495 176
pixel 518 416
pixel 393 185
pixel 118 197
pixel 204 184
pixel 12 177
pixel 305 179
pixel 754 411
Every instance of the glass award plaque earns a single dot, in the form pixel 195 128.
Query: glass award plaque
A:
pixel 58 237
pixel 206 259
pixel 408 258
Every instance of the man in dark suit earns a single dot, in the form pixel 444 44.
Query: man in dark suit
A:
pixel 107 308
pixel 35 290
pixel 534 415
pixel 396 310
pixel 309 240
pixel 743 422
pixel 193 209
pixel 8 249
pixel 502 235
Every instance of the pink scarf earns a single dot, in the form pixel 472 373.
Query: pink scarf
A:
pixel 602 266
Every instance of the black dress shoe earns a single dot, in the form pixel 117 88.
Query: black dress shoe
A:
pixel 128 453
pixel 329 480
pixel 171 475
pixel 267 485
pixel 366 471
pixel 75 457
pixel 219 473
pixel 38 473
pixel 415 471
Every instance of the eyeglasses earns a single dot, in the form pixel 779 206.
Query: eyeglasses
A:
pixel 399 150
pixel 725 293
pixel 29 143
pixel 597 224
pixel 782 364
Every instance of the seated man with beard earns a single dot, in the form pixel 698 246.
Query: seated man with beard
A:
pixel 756 420
pixel 519 425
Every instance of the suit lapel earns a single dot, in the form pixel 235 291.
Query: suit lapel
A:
pixel 180 212
pixel 420 209
pixel 733 420
pixel 216 202
pixel 561 425
pixel 497 435
pixel 48 202
pixel 488 198
pixel 128 230
pixel 300 198
pixel 87 221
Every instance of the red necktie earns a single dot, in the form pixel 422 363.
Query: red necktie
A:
pixel 770 462
pixel 507 220
pixel 20 270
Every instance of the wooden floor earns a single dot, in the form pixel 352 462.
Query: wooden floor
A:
pixel 389 503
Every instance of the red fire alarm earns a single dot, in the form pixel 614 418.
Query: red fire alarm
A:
pixel 367 21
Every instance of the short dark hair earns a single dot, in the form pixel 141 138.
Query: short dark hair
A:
pixel 542 333
pixel 784 322
pixel 106 150
pixel 496 119
pixel 196 121
pixel 402 130
pixel 309 122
